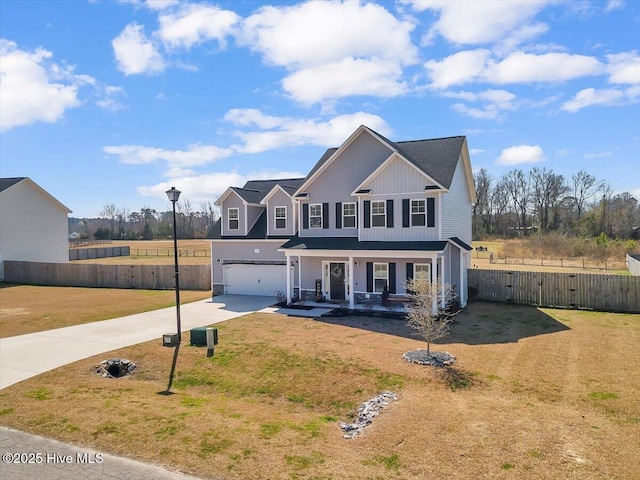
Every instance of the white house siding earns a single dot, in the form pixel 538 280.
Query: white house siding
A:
pixel 336 183
pixel 33 226
pixel 246 250
pixel 280 199
pixel 398 176
pixel 456 207
pixel 233 201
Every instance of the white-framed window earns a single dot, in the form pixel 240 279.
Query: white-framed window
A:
pixel 380 276
pixel 378 214
pixel 280 216
pixel 422 271
pixel 418 213
pixel 315 215
pixel 348 215
pixel 233 218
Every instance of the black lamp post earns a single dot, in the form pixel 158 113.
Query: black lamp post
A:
pixel 173 195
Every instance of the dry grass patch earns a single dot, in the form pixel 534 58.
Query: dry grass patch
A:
pixel 534 394
pixel 158 252
pixel 27 309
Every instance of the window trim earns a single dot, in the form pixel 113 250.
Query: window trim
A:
pixel 276 218
pixel 428 265
pixel 354 216
pixel 411 213
pixel 320 225
pixel 229 219
pixel 383 214
pixel 386 279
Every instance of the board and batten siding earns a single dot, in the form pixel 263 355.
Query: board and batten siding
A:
pixel 233 201
pixel 456 207
pixel 336 182
pixel 280 199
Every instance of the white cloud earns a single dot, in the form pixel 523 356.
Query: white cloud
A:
pixel 35 89
pixel 322 32
pixel 488 21
pixel 203 188
pixel 333 49
pixel 476 151
pixel 287 131
pixel 518 67
pixel 624 67
pixel 520 154
pixel 196 23
pixel 347 77
pixel 589 156
pixel 28 93
pixel 135 53
pixel 193 155
pixel 495 102
pixel 613 5
pixel 607 97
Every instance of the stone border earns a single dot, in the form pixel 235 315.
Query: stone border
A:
pixel 437 359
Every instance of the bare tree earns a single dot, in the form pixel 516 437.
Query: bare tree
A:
pixel 517 185
pixel 109 211
pixel 425 313
pixel 547 189
pixel 481 209
pixel 585 187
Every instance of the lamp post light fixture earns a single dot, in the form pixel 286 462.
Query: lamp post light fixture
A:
pixel 173 195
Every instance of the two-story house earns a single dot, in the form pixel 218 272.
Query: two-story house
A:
pixel 371 214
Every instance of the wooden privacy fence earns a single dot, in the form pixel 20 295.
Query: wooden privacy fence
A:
pixel 152 277
pixel 100 252
pixel 615 293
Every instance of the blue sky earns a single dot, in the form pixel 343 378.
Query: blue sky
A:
pixel 116 101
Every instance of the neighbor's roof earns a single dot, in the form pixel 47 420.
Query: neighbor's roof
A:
pixel 437 157
pixel 6 183
pixel 9 182
pixel 352 243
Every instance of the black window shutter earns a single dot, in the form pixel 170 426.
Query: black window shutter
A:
pixel 305 215
pixel 431 212
pixel 409 271
pixel 392 278
pixel 367 215
pixel 338 215
pixel 389 213
pixel 405 212
pixel 369 276
pixel 325 215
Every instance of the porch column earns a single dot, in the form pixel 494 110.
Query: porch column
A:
pixel 300 276
pixel 352 294
pixel 438 268
pixel 463 264
pixel 442 300
pixel 288 278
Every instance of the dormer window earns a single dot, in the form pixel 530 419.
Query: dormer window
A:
pixel 281 217
pixel 233 218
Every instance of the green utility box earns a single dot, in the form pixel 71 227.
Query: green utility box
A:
pixel 198 336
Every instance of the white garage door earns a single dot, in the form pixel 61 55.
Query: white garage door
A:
pixel 263 280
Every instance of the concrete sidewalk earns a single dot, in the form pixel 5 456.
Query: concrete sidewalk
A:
pixel 25 356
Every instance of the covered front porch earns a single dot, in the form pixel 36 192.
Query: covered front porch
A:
pixel 357 276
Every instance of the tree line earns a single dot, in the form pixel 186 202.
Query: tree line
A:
pixel 119 223
pixel 519 203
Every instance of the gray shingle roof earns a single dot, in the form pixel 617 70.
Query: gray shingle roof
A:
pixel 254 190
pixel 352 243
pixel 9 182
pixel 437 157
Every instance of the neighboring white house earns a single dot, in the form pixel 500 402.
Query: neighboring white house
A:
pixel 633 263
pixel 33 224
pixel 370 215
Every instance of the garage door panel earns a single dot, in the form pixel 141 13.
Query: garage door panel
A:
pixel 262 280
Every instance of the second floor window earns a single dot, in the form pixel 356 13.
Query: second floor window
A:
pixel 378 214
pixel 418 213
pixel 349 215
pixel 281 217
pixel 233 218
pixel 315 215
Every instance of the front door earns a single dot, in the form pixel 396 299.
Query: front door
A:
pixel 336 280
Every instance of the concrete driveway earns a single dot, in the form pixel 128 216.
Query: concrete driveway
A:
pixel 26 356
